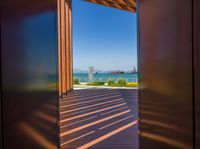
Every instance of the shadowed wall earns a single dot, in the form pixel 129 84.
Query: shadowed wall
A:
pixel 196 31
pixel 0 117
pixel 29 73
pixel 166 96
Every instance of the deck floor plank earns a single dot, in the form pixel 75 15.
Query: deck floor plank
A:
pixel 99 119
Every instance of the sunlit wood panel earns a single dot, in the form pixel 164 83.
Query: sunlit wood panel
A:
pixel 64 46
pixel 59 50
pixel 70 49
pixel 67 45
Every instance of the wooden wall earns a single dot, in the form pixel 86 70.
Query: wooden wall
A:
pixel 65 46
pixel 166 74
pixel 29 74
pixel 1 127
pixel 196 32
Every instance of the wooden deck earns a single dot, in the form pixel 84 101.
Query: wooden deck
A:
pixel 99 119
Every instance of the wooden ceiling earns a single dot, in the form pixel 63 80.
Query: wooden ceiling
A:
pixel 127 5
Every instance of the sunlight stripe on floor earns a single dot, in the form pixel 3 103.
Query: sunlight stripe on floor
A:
pixel 78 112
pixel 104 137
pixel 77 138
pixel 86 114
pixel 94 105
pixel 103 98
pixel 116 122
pixel 79 121
pixel 83 94
pixel 114 110
pixel 93 123
pixel 72 99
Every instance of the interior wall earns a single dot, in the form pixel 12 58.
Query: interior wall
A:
pixel 29 73
pixel 196 32
pixel 166 95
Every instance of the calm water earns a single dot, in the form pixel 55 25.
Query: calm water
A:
pixel 83 77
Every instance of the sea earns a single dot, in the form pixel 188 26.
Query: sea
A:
pixel 129 77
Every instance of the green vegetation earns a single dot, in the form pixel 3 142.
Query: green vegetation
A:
pixel 111 83
pixel 96 83
pixel 76 81
pixel 121 82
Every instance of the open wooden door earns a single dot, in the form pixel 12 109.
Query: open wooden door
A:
pixel 169 72
pixel 196 37
pixel 29 95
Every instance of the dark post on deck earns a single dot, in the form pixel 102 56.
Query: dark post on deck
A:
pixel 29 96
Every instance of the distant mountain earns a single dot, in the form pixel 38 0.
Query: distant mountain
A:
pixel 100 71
pixel 85 71
pixel 79 71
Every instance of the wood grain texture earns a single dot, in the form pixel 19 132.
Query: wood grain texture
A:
pixel 64 46
pixel 99 118
pixel 67 48
pixel 166 96
pixel 29 55
pixel 70 48
pixel 196 34
pixel 59 49
pixel 127 5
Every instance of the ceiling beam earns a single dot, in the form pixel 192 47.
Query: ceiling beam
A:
pixel 119 4
pixel 127 3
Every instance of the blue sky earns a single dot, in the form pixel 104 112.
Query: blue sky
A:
pixel 105 38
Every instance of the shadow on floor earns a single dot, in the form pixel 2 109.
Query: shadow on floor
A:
pixel 100 119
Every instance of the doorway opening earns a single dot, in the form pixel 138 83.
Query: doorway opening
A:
pixel 100 108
